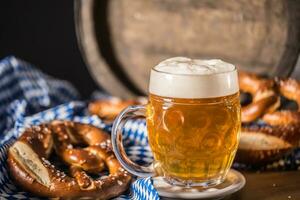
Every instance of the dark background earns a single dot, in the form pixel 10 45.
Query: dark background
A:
pixel 43 33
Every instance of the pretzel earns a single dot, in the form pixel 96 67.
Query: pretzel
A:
pixel 264 144
pixel 290 89
pixel 281 132
pixel 109 109
pixel 30 168
pixel 265 98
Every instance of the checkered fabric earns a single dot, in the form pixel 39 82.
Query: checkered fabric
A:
pixel 29 97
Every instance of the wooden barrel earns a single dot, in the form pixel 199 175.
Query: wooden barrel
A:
pixel 121 40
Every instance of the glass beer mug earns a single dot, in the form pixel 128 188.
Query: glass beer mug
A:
pixel 193 122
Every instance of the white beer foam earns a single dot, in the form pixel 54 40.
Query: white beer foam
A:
pixel 182 77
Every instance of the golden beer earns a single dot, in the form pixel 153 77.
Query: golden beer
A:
pixel 193 139
pixel 193 122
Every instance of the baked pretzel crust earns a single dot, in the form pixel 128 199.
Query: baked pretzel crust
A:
pixel 281 132
pixel 265 98
pixel 108 109
pixel 29 167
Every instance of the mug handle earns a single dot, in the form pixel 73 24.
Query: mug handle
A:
pixel 116 138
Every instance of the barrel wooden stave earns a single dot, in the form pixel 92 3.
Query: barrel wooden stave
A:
pixel 254 35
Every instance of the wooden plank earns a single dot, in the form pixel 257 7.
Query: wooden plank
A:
pixel 250 34
pixel 121 39
pixel 270 186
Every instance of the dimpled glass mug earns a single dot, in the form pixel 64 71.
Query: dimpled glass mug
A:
pixel 193 122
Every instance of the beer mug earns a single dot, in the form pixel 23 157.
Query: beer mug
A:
pixel 193 122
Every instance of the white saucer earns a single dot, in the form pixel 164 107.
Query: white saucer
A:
pixel 233 182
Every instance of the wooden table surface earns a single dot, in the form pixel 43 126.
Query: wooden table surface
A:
pixel 269 186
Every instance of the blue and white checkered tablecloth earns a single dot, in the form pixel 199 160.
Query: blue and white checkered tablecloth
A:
pixel 29 97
